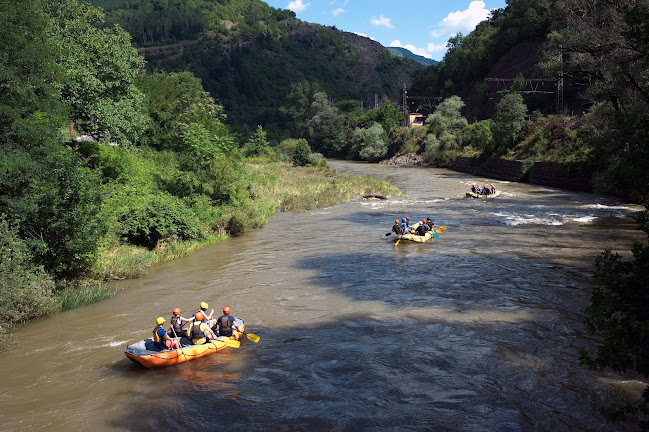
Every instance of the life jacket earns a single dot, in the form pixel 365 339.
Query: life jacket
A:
pixel 156 337
pixel 197 333
pixel 225 328
pixel 421 229
pixel 177 325
pixel 397 229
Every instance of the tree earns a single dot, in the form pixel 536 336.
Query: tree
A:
pixel 618 312
pixel 447 115
pixel 605 46
pixel 30 102
pixel 257 145
pixel 99 69
pixel 511 116
pixel 371 143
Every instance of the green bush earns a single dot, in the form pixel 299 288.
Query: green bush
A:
pixel 26 291
pixel 301 153
pixel 54 201
pixel 157 217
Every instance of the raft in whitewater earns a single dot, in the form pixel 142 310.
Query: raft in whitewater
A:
pixel 475 195
pixel 145 352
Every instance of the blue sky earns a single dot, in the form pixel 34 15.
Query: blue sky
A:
pixel 422 26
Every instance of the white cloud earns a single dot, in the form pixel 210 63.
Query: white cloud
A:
pixel 338 11
pixel 364 35
pixel 424 52
pixel 381 21
pixel 462 21
pixel 297 6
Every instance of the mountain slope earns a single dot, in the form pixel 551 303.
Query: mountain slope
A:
pixel 403 52
pixel 248 55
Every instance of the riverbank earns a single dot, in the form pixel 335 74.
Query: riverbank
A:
pixel 274 186
pixel 553 174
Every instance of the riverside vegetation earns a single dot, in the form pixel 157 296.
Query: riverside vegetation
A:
pixel 162 175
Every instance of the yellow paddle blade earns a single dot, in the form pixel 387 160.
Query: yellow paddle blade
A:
pixel 463 195
pixel 252 337
pixel 443 228
pixel 231 343
pixel 397 242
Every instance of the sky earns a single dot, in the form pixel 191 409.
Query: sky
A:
pixel 422 27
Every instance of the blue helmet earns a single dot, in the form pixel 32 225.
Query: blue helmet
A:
pixel 403 226
pixel 403 220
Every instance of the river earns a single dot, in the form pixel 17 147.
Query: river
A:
pixel 479 330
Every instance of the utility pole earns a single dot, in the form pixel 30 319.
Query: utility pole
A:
pixel 404 106
pixel 376 100
pixel 560 83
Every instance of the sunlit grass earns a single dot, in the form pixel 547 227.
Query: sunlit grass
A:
pixel 74 297
pixel 274 186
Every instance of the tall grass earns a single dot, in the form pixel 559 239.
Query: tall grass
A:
pixel 74 297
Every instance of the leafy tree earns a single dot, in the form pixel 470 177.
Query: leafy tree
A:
pixel 618 312
pixel 299 105
pixel 481 137
pixel 99 67
pixel 511 116
pixel 447 115
pixel 30 103
pixel 371 143
pixel 302 153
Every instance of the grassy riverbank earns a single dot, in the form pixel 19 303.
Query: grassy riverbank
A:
pixel 265 186
pixel 273 186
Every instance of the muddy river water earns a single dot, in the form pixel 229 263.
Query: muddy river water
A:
pixel 479 330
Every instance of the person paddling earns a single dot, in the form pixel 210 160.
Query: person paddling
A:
pixel 422 228
pixel 161 339
pixel 177 322
pixel 198 331
pixel 226 323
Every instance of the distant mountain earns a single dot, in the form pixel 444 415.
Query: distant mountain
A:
pixel 402 52
pixel 248 55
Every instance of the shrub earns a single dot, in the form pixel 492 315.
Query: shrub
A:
pixel 302 153
pixel 26 291
pixel 157 217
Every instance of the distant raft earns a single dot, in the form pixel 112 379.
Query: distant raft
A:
pixel 415 238
pixel 145 353
pixel 475 195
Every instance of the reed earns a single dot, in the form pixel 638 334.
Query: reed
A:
pixel 73 297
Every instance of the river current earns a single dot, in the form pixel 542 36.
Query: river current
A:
pixel 479 330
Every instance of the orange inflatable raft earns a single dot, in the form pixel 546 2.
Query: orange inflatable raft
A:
pixel 145 353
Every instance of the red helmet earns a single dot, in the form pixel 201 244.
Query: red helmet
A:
pixel 396 221
pixel 423 222
pixel 198 316
pixel 176 311
pixel 226 310
pixel 407 217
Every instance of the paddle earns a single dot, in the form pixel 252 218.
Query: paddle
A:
pixel 397 243
pixel 388 234
pixel 252 337
pixel 230 342
pixel 178 339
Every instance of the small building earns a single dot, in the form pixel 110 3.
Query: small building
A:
pixel 416 119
